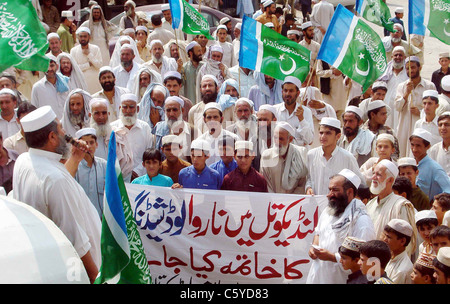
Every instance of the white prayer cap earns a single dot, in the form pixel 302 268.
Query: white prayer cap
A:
pixel 210 77
pixel 269 24
pixel 243 145
pixel 379 84
pixel 399 10
pixel 351 176
pixel 386 136
pixel 267 3
pixel 170 139
pixel 37 119
pixel 128 96
pixel 130 2
pixel 412 58
pixel 191 45
pixel 83 29
pixel 401 226
pixel 352 243
pixel 223 27
pixel 422 133
pixel 126 46
pixel 172 74
pixel 307 24
pixel 51 56
pixel 294 32
pixel 399 48
pixel 200 144
pixel 141 28
pixel 212 105
pixel 406 161
pixel 8 91
pixel 425 214
pixel 176 99
pixel 445 83
pixel 53 35
pixel 399 26
pixel 248 101
pixel 444 55
pixel 84 132
pixel 443 256
pixel 224 20
pixel 376 104
pixel 355 110
pixel 216 48
pixel 165 7
pixel 294 80
pixel 446 113
pixel 238 25
pixel 430 93
pixel 286 126
pixel 155 41
pixel 390 166
pixel 67 14
pixel 446 219
pixel 269 108
pixel 105 68
pixel 98 100
pixel 330 121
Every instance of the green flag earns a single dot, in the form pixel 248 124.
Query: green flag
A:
pixel 266 51
pixel 354 48
pixel 430 18
pixel 23 40
pixel 375 11
pixel 188 19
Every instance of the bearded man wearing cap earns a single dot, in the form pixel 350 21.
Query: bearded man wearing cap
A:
pixel 356 140
pixel 436 77
pixel 432 178
pixel 100 121
pixel 152 104
pixel 52 89
pixel 309 42
pixel 428 121
pixel 245 126
pixel 91 171
pixel 160 63
pixel 125 73
pixel 43 182
pixel 294 113
pixel 190 70
pixel 89 59
pixel 269 15
pixel 344 216
pixel 397 235
pixel 440 152
pixel 76 112
pixel 284 164
pixel 174 83
pixel 8 117
pixel 321 15
pixel 395 39
pixel 130 19
pixel 387 205
pixel 54 44
pixel 70 68
pixel 408 102
pixel 67 31
pixel 142 79
pixel 138 132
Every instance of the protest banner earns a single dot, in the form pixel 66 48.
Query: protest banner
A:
pixel 195 236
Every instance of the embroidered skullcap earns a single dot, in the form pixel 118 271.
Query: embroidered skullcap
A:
pixel 200 144
pixel 426 260
pixel 8 91
pixel 352 243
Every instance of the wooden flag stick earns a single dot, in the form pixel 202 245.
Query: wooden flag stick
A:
pixel 311 73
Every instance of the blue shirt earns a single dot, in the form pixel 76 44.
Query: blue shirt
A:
pixel 432 179
pixel 207 179
pixel 223 169
pixel 158 180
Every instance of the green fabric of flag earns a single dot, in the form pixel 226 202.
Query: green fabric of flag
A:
pixel 23 40
pixel 264 50
pixel 439 20
pixel 188 19
pixel 375 11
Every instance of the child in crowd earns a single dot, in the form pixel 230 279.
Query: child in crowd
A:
pixel 441 264
pixel 349 252
pixel 426 221
pixel 440 237
pixel 407 167
pixel 374 255
pixel 441 204
pixel 423 270
pixel 151 160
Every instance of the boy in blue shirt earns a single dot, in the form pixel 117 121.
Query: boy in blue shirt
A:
pixel 151 160
pixel 227 163
pixel 199 175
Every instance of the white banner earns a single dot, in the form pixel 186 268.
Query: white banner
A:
pixel 208 236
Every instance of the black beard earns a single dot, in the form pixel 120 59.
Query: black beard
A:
pixel 338 204
pixel 108 86
pixel 196 58
pixel 350 133
pixel 209 97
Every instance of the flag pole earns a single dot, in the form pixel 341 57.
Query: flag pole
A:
pixel 199 6
pixel 311 73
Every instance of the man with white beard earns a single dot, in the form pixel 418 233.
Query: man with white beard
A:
pixel 160 63
pixel 76 112
pixel 284 165
pixel 175 125
pixel 70 68
pixel 126 71
pixel 344 216
pixel 138 133
pixel 395 39
pixel 142 80
pixel 99 116
pixel 387 205
pixel 246 126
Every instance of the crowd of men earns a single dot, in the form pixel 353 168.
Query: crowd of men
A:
pixel 186 115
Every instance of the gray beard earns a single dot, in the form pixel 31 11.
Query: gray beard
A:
pixel 101 130
pixel 76 119
pixel 397 65
pixel 157 60
pixel 171 122
pixel 63 147
pixel 128 120
pixel 396 40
